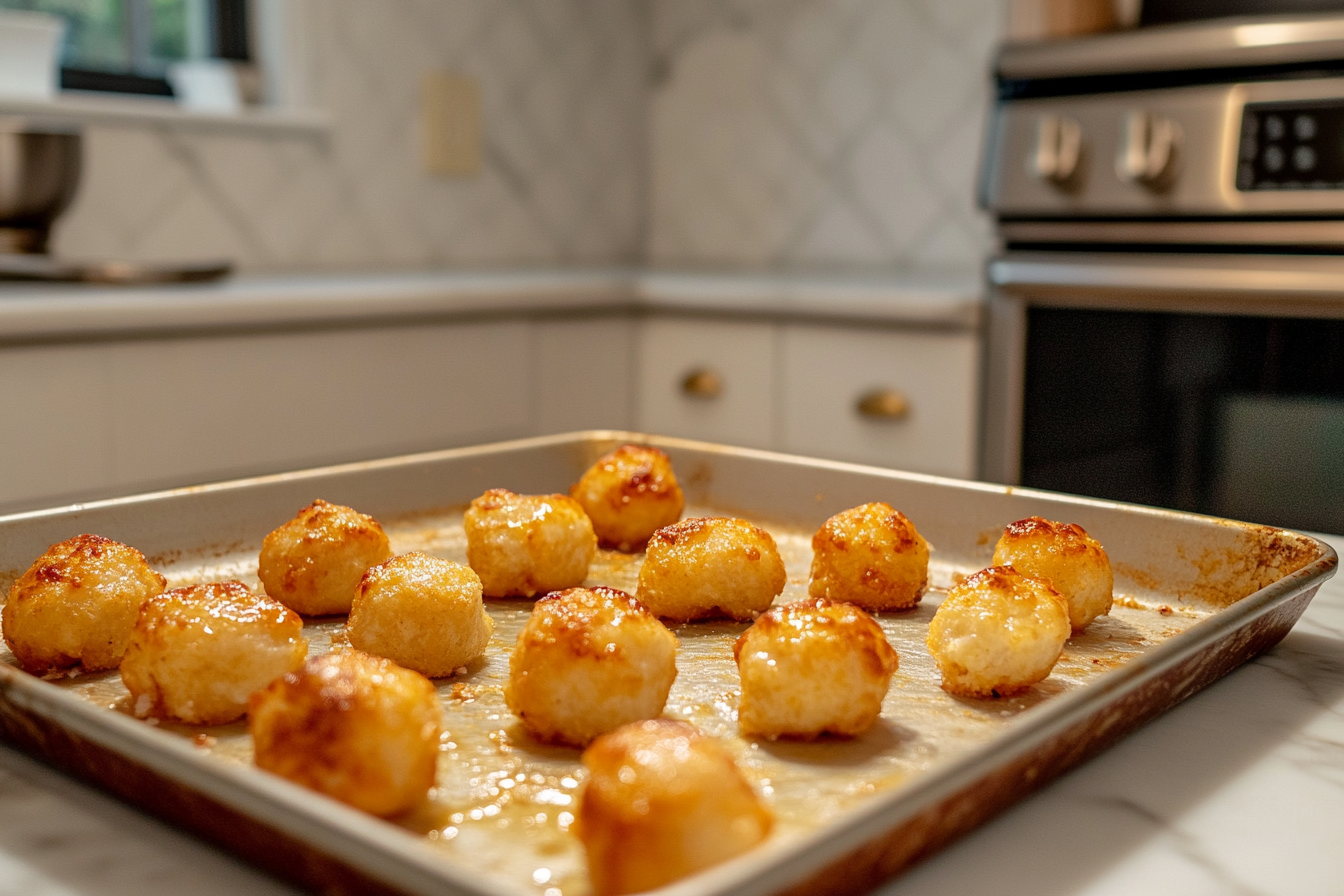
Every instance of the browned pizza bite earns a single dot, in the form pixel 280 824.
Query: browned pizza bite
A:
pixel 75 606
pixel 998 633
pixel 663 801
pixel 312 563
pixel 524 545
pixel 1067 557
pixel 709 568
pixel 872 556
pixel 197 654
pixel 812 667
pixel 589 660
pixel 356 727
pixel 629 494
pixel 422 612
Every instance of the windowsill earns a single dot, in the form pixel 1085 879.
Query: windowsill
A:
pixel 77 107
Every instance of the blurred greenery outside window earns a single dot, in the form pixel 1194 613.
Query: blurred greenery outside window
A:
pixel 127 45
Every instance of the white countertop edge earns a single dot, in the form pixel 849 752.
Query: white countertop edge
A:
pixel 949 298
pixel 52 310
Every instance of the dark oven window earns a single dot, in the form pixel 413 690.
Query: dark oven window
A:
pixel 1240 417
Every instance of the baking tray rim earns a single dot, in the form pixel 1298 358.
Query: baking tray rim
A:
pixel 367 843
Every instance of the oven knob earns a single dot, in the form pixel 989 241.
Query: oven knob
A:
pixel 1059 150
pixel 1149 146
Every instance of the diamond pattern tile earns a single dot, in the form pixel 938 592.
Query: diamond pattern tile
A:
pixel 878 105
pixel 754 133
pixel 564 86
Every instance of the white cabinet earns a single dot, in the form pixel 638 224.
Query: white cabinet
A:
pixel 582 373
pixel 92 419
pixel 922 391
pixel 58 406
pixel 211 407
pixel 798 387
pixel 710 379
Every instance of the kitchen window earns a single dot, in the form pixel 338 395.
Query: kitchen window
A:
pixel 125 46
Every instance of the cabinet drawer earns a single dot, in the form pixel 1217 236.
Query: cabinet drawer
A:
pixel 829 371
pixel 736 357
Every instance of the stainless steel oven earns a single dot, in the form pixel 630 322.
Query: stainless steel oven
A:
pixel 1167 314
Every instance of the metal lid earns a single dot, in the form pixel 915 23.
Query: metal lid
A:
pixel 1225 43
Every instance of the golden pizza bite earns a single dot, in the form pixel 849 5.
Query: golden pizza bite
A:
pixel 872 556
pixel 197 653
pixel 812 667
pixel 710 567
pixel 629 494
pixel 1066 556
pixel 998 633
pixel 355 727
pixel 312 563
pixel 76 605
pixel 422 612
pixel 663 801
pixel 589 660
pixel 523 545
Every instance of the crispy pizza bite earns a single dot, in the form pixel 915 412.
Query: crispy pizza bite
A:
pixel 356 727
pixel 710 567
pixel 524 545
pixel 998 633
pixel 421 612
pixel 810 668
pixel 1066 556
pixel 629 494
pixel 663 801
pixel 589 660
pixel 76 605
pixel 872 556
pixel 312 563
pixel 197 653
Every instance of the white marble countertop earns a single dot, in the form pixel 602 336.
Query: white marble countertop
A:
pixel 945 299
pixel 1239 790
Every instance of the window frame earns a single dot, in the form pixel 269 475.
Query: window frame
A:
pixel 229 38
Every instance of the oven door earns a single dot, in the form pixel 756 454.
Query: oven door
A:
pixel 1212 383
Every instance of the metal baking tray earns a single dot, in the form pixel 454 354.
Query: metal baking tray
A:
pixel 1196 597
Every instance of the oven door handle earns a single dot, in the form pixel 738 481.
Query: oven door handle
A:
pixel 1293 285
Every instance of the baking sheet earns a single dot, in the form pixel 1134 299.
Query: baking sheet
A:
pixel 498 818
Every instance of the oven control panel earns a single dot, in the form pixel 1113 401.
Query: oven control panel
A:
pixel 1255 149
pixel 1291 146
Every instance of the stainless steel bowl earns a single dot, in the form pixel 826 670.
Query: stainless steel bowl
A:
pixel 39 173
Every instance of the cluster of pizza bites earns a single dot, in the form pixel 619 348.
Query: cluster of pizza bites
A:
pixel 593 666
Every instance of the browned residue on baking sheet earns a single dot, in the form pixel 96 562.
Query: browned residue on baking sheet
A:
pixel 1260 556
pixel 504 803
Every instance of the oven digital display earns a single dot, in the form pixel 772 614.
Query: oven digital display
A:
pixel 1292 146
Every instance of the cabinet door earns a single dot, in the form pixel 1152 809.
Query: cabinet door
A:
pixel 190 410
pixel 707 379
pixel 583 374
pixel 830 371
pixel 58 406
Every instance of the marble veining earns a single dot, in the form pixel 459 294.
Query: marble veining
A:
pixel 1239 790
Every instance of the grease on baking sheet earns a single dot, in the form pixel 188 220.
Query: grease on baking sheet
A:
pixel 503 803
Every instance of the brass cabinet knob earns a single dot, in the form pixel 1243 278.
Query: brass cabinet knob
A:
pixel 702 383
pixel 883 404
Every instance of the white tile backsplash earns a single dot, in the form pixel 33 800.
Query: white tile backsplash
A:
pixel 748 133
pixel 564 87
pixel 791 133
